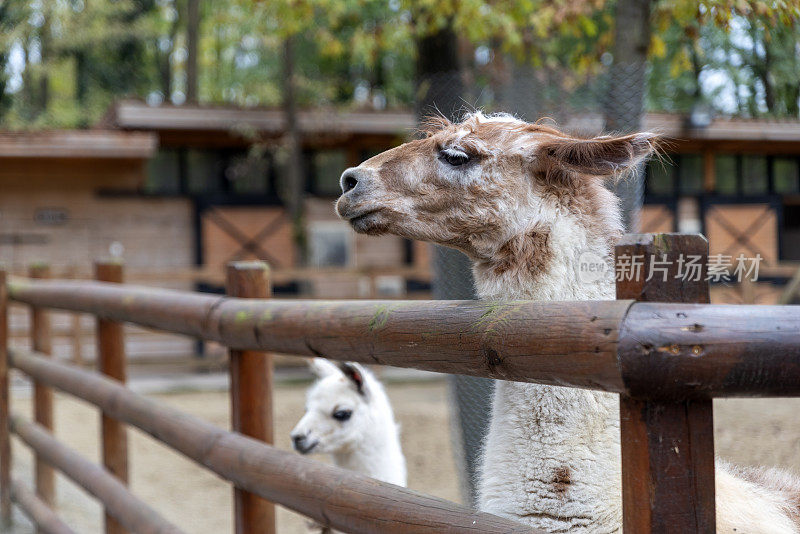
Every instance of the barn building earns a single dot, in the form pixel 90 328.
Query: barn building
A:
pixel 186 189
pixel 224 163
pixel 738 182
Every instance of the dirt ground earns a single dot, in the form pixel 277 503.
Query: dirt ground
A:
pixel 748 432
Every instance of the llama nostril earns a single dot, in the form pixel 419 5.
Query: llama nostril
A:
pixel 298 442
pixel 349 180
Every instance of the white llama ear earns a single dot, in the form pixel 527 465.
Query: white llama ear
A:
pixel 355 373
pixel 600 156
pixel 322 367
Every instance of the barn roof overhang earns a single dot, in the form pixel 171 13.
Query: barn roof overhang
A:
pixel 191 124
pixel 78 144
pixel 721 135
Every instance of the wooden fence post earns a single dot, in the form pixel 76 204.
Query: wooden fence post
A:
pixel 667 446
pixel 5 399
pixel 75 320
pixel 111 362
pixel 42 342
pixel 251 396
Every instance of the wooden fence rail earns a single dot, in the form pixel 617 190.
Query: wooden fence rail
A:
pixel 128 510
pixel 591 344
pixel 666 355
pixel 42 515
pixel 342 499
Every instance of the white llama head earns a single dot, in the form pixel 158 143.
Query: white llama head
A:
pixel 339 410
pixel 495 187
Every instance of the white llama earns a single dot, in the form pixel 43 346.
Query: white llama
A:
pixel 524 201
pixel 348 416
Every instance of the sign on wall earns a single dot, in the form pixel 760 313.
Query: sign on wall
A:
pixel 51 216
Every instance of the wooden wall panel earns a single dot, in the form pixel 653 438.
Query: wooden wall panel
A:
pixel 225 229
pixel 748 229
pixel 761 293
pixel 152 232
pixel 656 219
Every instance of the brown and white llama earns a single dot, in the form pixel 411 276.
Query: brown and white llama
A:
pixel 523 201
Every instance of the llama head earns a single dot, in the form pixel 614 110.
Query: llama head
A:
pixel 338 408
pixel 507 193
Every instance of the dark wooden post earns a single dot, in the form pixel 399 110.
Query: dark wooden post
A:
pixel 111 362
pixel 41 341
pixel 251 396
pixel 667 446
pixel 5 398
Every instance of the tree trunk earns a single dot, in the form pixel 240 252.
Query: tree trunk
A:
pixel 697 69
pixel 5 99
pixel 793 100
pixel 192 36
pixel 164 63
pixel 500 76
pixel 440 89
pixel 624 105
pixel 6 23
pixel 766 79
pixel 28 91
pixel 523 96
pixel 44 47
pixel 81 77
pixel 295 179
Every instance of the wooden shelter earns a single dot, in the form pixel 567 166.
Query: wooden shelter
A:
pixel 737 180
pixel 58 203
pixel 227 162
pixel 182 187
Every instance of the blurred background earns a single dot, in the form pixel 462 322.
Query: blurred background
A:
pixel 181 135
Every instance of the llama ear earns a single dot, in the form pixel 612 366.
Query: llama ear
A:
pixel 355 373
pixel 600 156
pixel 322 367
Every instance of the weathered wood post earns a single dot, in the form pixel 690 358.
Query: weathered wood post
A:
pixel 251 396
pixel 5 399
pixel 111 362
pixel 42 342
pixel 75 320
pixel 667 444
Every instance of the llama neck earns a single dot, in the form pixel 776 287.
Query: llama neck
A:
pixel 533 265
pixel 378 454
pixel 552 453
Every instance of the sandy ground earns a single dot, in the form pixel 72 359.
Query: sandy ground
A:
pixel 748 432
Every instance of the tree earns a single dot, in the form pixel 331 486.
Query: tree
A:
pixel 192 37
pixel 624 105
pixel 12 13
pixel 295 179
pixel 736 57
pixel 80 55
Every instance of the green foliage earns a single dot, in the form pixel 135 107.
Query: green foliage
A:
pixel 739 57
pixel 67 60
pixel 339 45
pixel 79 56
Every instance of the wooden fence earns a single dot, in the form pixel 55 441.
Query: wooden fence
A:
pixel 662 349
pixel 73 334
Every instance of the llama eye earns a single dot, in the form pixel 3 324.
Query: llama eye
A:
pixel 342 415
pixel 454 157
